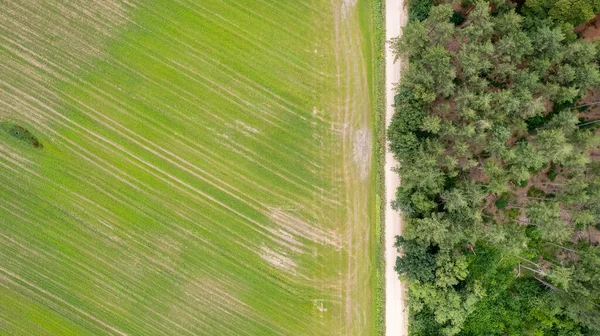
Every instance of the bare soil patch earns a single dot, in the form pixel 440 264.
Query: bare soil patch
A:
pixel 361 152
pixel 278 260
pixel 590 30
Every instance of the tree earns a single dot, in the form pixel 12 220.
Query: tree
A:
pixel 417 261
pixel 475 59
pixel 574 12
pixel 420 83
pixel 455 200
pixel 449 306
pixel 479 26
pixel 546 40
pixel 513 47
pixel 451 269
pixel 554 145
pixel 441 30
pixel 585 218
pixel 528 157
pixel 509 23
pixel 406 122
pixel 432 124
pixel 546 216
pixel 442 71
pixel 432 229
pixel 418 10
pixel 561 277
pixel 423 174
pixel 414 41
pixel 582 301
pixel 566 121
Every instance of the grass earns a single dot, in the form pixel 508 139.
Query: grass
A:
pixel 199 169
pixel 378 252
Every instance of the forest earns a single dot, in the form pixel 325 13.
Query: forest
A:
pixel 496 130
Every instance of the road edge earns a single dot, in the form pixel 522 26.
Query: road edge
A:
pixel 396 313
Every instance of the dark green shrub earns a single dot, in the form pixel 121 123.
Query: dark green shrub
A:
pixel 502 202
pixel 513 213
pixel 457 18
pixel 20 133
pixel 535 192
pixel 553 172
pixel 418 10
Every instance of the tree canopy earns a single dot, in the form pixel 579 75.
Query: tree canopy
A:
pixel 500 180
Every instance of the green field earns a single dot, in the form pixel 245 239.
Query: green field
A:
pixel 204 168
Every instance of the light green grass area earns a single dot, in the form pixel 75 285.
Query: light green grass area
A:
pixel 205 168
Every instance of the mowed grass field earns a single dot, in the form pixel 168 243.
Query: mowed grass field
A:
pixel 206 168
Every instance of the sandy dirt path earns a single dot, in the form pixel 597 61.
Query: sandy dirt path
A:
pixel 396 314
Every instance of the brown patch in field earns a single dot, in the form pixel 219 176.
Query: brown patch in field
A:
pixel 361 152
pixel 347 6
pixel 245 129
pixel 296 229
pixel 279 260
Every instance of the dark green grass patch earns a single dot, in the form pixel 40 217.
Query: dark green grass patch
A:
pixel 21 133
